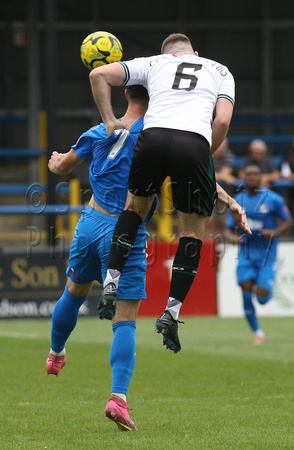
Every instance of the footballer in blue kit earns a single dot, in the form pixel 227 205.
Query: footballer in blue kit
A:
pixel 108 175
pixel 90 248
pixel 257 257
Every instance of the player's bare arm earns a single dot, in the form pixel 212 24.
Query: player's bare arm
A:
pixel 102 79
pixel 221 123
pixel 284 226
pixel 237 211
pixel 239 216
pixel 225 174
pixel 63 163
pixel 232 237
pixel 267 178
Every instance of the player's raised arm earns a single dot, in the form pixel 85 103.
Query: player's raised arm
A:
pixel 102 79
pixel 239 216
pixel 63 163
pixel 221 123
pixel 237 211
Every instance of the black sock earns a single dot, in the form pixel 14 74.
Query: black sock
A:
pixel 185 267
pixel 123 239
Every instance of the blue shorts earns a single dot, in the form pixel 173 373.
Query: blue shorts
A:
pixel 89 253
pixel 263 276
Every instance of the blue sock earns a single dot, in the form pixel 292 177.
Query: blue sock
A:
pixel 64 319
pixel 122 355
pixel 250 311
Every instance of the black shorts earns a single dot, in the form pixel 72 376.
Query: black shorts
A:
pixel 182 155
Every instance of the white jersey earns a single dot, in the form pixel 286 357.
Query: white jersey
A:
pixel 183 90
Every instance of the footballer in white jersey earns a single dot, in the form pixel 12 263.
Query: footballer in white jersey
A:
pixel 190 108
pixel 183 90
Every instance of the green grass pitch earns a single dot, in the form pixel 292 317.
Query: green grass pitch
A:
pixel 219 392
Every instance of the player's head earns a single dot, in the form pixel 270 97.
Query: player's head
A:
pixel 177 43
pixel 137 94
pixel 257 149
pixel 252 178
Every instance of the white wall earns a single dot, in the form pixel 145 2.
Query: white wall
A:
pixel 229 294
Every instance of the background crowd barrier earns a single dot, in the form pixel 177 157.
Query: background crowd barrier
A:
pixel 35 203
pixel 33 279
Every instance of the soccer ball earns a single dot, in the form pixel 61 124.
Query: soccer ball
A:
pixel 100 48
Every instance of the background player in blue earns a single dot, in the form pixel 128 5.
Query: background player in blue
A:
pixel 108 176
pixel 256 267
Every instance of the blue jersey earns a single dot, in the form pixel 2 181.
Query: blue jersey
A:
pixel 110 166
pixel 262 210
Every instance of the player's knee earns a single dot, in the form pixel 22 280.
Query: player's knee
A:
pixel 138 205
pixel 263 300
pixel 126 310
pixel 246 286
pixel 263 295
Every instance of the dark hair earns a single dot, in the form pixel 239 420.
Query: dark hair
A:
pixel 250 166
pixel 137 92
